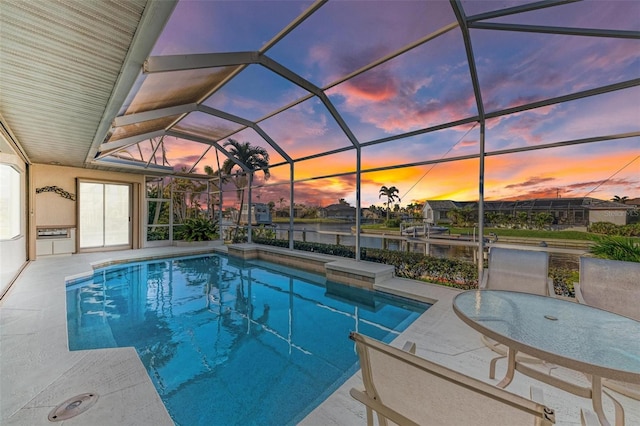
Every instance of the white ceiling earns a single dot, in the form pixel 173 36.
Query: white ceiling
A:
pixel 66 66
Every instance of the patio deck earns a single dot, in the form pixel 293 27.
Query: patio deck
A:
pixel 37 371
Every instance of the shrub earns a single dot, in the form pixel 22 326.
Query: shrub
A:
pixel 449 272
pixel 563 279
pixel 392 223
pixel 630 230
pixel 198 229
pixel 608 228
pixel 616 248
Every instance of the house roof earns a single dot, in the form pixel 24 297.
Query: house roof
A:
pixel 533 204
pixel 440 204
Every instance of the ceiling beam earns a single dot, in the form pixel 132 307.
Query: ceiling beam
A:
pixel 566 98
pixel 168 63
pixel 140 117
pixel 126 142
pixel 211 142
pixel 155 16
pixel 312 88
pixel 518 9
pixel 588 32
pixel 246 123
pixel 293 25
pixel 121 162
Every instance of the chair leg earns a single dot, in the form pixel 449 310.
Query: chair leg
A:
pixel 492 366
pixel 511 369
pixel 369 417
pixel 619 411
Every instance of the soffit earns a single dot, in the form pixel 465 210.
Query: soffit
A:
pixel 59 62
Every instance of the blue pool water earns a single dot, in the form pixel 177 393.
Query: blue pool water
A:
pixel 229 342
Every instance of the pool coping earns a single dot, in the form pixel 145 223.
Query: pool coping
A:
pixel 38 371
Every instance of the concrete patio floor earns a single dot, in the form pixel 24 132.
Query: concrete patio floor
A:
pixel 38 372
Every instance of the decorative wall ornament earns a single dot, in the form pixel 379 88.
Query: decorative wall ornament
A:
pixel 61 192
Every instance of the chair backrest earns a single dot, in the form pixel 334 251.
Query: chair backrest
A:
pixel 612 285
pixel 408 389
pixel 518 270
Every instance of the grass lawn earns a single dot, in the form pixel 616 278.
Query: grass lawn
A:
pixel 530 233
pixel 503 232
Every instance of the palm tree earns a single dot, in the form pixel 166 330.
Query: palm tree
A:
pixel 619 199
pixel 253 157
pixel 391 193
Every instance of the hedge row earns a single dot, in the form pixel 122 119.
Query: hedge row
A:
pixel 608 228
pixel 448 272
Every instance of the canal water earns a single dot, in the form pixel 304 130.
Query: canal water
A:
pixel 341 234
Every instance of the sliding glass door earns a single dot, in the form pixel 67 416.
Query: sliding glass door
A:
pixel 104 216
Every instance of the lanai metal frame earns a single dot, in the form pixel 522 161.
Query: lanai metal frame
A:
pixel 162 121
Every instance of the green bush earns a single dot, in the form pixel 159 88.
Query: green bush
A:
pixel 616 248
pixel 608 228
pixel 198 229
pixel 449 272
pixel 331 249
pixel 563 279
pixel 392 223
pixel 631 230
pixel 262 231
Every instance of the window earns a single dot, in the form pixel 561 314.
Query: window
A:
pixel 10 201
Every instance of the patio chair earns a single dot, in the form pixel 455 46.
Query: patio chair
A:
pixel 516 270
pixel 405 389
pixel 614 286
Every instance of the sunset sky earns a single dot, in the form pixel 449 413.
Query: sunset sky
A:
pixel 424 87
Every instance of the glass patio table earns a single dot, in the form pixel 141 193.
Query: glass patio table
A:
pixel 586 339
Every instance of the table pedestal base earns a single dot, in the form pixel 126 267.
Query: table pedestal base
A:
pixel 594 392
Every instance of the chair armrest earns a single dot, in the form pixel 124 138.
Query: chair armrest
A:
pixel 537 396
pixel 579 297
pixel 485 279
pixel 588 418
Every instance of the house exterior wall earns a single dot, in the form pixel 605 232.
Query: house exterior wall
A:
pixel 433 216
pixel 617 217
pixel 52 210
pixel 427 214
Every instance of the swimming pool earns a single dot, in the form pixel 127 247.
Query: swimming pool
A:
pixel 231 342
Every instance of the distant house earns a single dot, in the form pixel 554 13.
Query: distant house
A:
pixel 370 214
pixel 435 211
pixel 635 202
pixel 581 211
pixel 339 211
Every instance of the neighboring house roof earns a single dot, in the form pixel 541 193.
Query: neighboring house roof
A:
pixel 339 207
pixel 532 204
pixel 440 204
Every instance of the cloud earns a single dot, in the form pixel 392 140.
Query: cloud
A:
pixel 530 182
pixel 378 86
